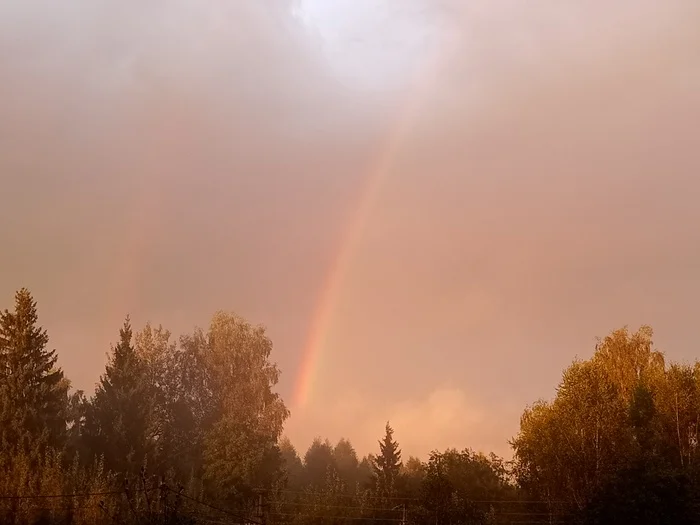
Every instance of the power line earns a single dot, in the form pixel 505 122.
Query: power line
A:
pixel 56 496
pixel 125 491
pixel 373 518
pixel 397 498
pixel 74 495
pixel 213 507
pixel 321 506
pixel 358 518
pixel 366 496
pixel 349 507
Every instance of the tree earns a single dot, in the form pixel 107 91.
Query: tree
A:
pixel 455 480
pixel 76 421
pixel 615 416
pixel 346 462
pixel 387 464
pixel 411 478
pixel 365 472
pixel 677 403
pixel 33 390
pixel 171 421
pixel 628 359
pixel 568 449
pixel 645 493
pixel 318 462
pixel 118 417
pixel 233 396
pixel 293 467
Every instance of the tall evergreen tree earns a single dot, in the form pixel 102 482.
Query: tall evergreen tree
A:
pixel 33 390
pixel 365 473
pixel 387 464
pixel 346 462
pixel 75 424
pixel 117 425
pixel 293 467
pixel 318 461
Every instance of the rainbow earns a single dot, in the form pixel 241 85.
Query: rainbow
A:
pixel 147 209
pixel 149 206
pixel 376 177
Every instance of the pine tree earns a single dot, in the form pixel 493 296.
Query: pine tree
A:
pixel 117 425
pixel 33 390
pixel 387 464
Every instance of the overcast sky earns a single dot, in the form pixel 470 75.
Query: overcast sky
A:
pixel 167 159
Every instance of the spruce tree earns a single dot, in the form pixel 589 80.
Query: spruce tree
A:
pixel 346 462
pixel 387 464
pixel 318 461
pixel 33 390
pixel 117 425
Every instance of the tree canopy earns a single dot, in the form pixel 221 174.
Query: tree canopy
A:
pixel 190 430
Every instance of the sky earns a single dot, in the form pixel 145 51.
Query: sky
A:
pixel 433 206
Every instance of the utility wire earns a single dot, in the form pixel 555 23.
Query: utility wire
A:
pixel 397 498
pixel 308 493
pixel 366 518
pixel 52 496
pixel 372 518
pixel 350 507
pixel 219 509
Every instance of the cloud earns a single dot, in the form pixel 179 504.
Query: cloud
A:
pixel 168 159
pixel 446 418
pixel 443 418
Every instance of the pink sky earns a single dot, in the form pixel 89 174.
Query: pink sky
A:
pixel 176 158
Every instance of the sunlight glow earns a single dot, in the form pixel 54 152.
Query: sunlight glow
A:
pixel 370 44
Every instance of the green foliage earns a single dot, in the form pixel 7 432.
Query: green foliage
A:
pixel 444 489
pixel 347 464
pixel 240 447
pixel 202 415
pixel 292 465
pixel 457 485
pixel 189 431
pixel 33 390
pixel 318 462
pixel 411 478
pixel 644 493
pixel 169 421
pixel 387 464
pixel 49 475
pixel 118 417
pixel 365 472
pixel 620 438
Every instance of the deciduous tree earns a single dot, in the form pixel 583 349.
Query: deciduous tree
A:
pixel 244 415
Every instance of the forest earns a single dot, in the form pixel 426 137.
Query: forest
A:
pixel 189 430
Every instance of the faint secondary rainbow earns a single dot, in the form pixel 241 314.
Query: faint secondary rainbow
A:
pixel 145 223
pixel 380 169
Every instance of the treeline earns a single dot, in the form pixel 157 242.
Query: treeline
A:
pixel 196 417
pixel 189 430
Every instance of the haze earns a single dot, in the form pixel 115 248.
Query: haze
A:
pixel 169 159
